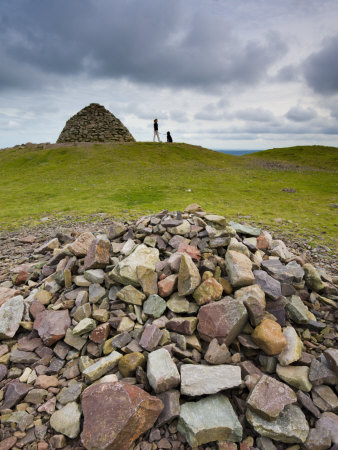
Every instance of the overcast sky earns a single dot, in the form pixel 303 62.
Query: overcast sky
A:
pixel 225 74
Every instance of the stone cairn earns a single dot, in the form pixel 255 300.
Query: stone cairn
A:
pixel 175 331
pixel 94 123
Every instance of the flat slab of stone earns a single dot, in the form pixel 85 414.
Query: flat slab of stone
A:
pixel 291 426
pixel 162 372
pixel 115 414
pixel 270 286
pixel 269 397
pixel 10 316
pixel 210 419
pixel 202 379
pixel 101 367
pixel 52 325
pixel 67 420
pixel 245 229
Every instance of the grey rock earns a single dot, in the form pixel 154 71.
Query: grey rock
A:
pixel 328 422
pixel 321 374
pixel 200 379
pixel 171 410
pixel 10 316
pixel 162 372
pixel 290 427
pixel 209 419
pixel 67 420
pixel 154 306
pixel 96 293
pixel 239 269
pixel 270 286
pixel 298 312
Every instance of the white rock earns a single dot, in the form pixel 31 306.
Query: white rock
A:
pixel 162 372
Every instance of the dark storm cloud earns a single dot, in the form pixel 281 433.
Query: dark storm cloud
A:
pixel 321 68
pixel 299 114
pixel 153 41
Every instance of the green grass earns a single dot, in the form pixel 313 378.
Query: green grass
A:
pixel 136 178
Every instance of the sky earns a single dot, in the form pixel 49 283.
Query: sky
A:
pixel 224 74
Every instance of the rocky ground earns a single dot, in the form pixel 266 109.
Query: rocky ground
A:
pixel 174 331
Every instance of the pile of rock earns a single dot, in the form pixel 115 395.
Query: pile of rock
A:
pixel 174 331
pixel 94 123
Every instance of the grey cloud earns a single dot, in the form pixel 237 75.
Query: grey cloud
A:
pixel 153 42
pixel 321 68
pixel 179 116
pixel 287 74
pixel 299 114
pixel 255 115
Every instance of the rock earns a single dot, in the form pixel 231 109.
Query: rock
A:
pixel 96 293
pixel 147 279
pixel 184 325
pixel 98 254
pixel 312 278
pixel 296 376
pixel 15 391
pixel 217 354
pixel 45 381
pixel 278 248
pixel 200 380
pixel 116 414
pixel 305 401
pixel 269 285
pixel 52 325
pixel 8 443
pixel 130 362
pixel 209 419
pixel 245 229
pixel 223 320
pixel 269 397
pixel 171 410
pixel 325 399
pixel 298 312
pixel 74 341
pixel 6 293
pixel 84 326
pixel 328 423
pixel 321 374
pixel 269 337
pixel 219 222
pixel 67 420
pixel 95 276
pixel 11 312
pixel 20 357
pixel 70 394
pixel 131 295
pixel 178 304
pixel 154 306
pixel 293 350
pixel 150 338
pixel 162 372
pixel 101 367
pixel 317 440
pixel 116 229
pixel 100 334
pixel 167 286
pixel 81 245
pixel 188 276
pixel 239 269
pixel 251 293
pixel 290 427
pixel 193 208
pixel 331 355
pixel 125 271
pixel 208 291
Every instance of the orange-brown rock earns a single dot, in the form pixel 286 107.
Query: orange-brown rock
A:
pixel 115 414
pixel 269 337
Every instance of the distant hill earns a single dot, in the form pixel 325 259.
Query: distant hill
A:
pixel 316 156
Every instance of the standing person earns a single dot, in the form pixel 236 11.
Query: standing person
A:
pixel 169 138
pixel 156 131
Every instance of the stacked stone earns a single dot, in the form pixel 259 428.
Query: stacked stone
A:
pixel 174 331
pixel 94 123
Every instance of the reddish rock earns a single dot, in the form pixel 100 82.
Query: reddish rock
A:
pixel 36 308
pixel 184 325
pixel 150 338
pixel 98 254
pixel 45 381
pixel 116 414
pixel 100 333
pixel 21 277
pixel 6 294
pixel 81 245
pixel 167 286
pixel 191 250
pixel 262 242
pixel 29 343
pixel 15 391
pixel 8 443
pixel 223 320
pixel 52 325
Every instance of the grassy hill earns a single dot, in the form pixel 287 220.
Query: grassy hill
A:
pixel 131 179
